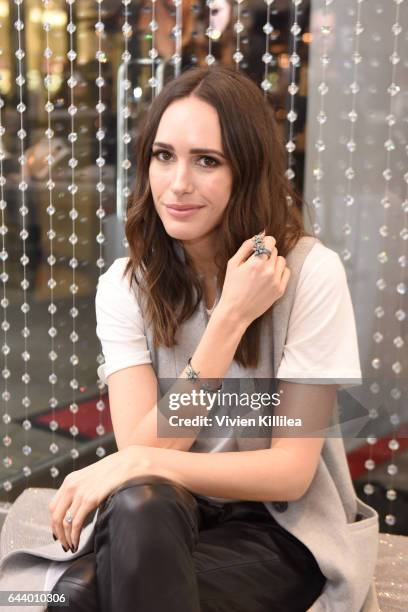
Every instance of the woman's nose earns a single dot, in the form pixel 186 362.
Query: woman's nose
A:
pixel 182 178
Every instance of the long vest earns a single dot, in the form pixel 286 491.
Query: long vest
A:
pixel 339 529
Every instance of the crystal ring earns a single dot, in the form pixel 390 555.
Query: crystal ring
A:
pixel 68 517
pixel 260 248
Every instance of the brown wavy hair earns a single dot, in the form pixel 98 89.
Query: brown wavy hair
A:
pixel 261 197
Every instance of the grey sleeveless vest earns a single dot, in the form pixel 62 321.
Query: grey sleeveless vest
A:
pixel 339 529
pixel 324 519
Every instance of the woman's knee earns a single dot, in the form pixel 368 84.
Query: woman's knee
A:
pixel 149 496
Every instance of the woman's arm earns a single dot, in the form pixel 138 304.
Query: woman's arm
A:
pixel 282 472
pixel 212 358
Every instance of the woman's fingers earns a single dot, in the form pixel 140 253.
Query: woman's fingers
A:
pixel 57 516
pixel 247 248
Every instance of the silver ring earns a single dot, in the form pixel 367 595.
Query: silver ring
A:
pixel 260 248
pixel 68 517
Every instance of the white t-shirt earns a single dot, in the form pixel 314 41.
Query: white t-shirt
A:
pixel 321 340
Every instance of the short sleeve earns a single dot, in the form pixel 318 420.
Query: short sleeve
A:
pixel 119 322
pixel 322 339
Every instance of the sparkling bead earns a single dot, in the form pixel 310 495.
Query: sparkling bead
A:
pixel 397 367
pixel 391 494
pixel 376 363
pixel 392 469
pixel 393 444
pixel 368 489
pixel 398 342
pixel 369 464
pixel 390 519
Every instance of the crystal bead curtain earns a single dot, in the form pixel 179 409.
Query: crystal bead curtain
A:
pixel 76 77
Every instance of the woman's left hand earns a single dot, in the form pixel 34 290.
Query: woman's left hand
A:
pixel 83 490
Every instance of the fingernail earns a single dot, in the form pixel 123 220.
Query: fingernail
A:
pixel 64 549
pixel 72 548
pixel 54 536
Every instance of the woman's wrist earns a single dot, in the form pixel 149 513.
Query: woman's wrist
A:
pixel 229 318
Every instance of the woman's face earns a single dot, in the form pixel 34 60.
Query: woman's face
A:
pixel 181 176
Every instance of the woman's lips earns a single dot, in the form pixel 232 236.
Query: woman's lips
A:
pixel 180 213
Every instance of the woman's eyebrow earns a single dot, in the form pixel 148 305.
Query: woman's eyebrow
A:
pixel 171 148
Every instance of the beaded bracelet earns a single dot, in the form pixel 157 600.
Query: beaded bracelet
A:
pixel 193 375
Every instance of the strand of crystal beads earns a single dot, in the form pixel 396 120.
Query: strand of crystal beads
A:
pixel 176 33
pixel 401 287
pixel 293 89
pixel 7 440
pixel 22 187
pixel 126 138
pixel 238 27
pixel 211 32
pixel 267 57
pixel 52 308
pixel 153 52
pixel 351 144
pixel 320 145
pixel 73 238
pixel 382 259
pixel 100 213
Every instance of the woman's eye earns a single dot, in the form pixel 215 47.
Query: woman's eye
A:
pixel 212 162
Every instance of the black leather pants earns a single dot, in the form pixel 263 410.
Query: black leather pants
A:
pixel 159 548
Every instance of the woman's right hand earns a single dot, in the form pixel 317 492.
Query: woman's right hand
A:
pixel 253 282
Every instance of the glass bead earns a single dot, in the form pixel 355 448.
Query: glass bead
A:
pixel 393 444
pixel 391 494
pixel 379 312
pixel 392 469
pixel 295 29
pixel 400 315
pixel 368 489
pixel 26 424
pixel 397 367
pixel 398 342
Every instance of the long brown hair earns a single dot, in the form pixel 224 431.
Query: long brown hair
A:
pixel 259 199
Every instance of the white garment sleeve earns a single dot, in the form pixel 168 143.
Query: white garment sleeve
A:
pixel 119 322
pixel 322 340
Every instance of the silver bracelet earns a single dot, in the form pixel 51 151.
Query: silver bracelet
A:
pixel 193 375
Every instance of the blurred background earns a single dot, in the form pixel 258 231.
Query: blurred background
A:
pixel 75 79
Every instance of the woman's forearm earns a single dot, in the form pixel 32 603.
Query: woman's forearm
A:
pixel 212 359
pixel 258 475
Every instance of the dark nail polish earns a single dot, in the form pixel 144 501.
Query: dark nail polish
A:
pixel 72 548
pixel 64 549
pixel 54 536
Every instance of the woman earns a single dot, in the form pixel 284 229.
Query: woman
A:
pixel 260 527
